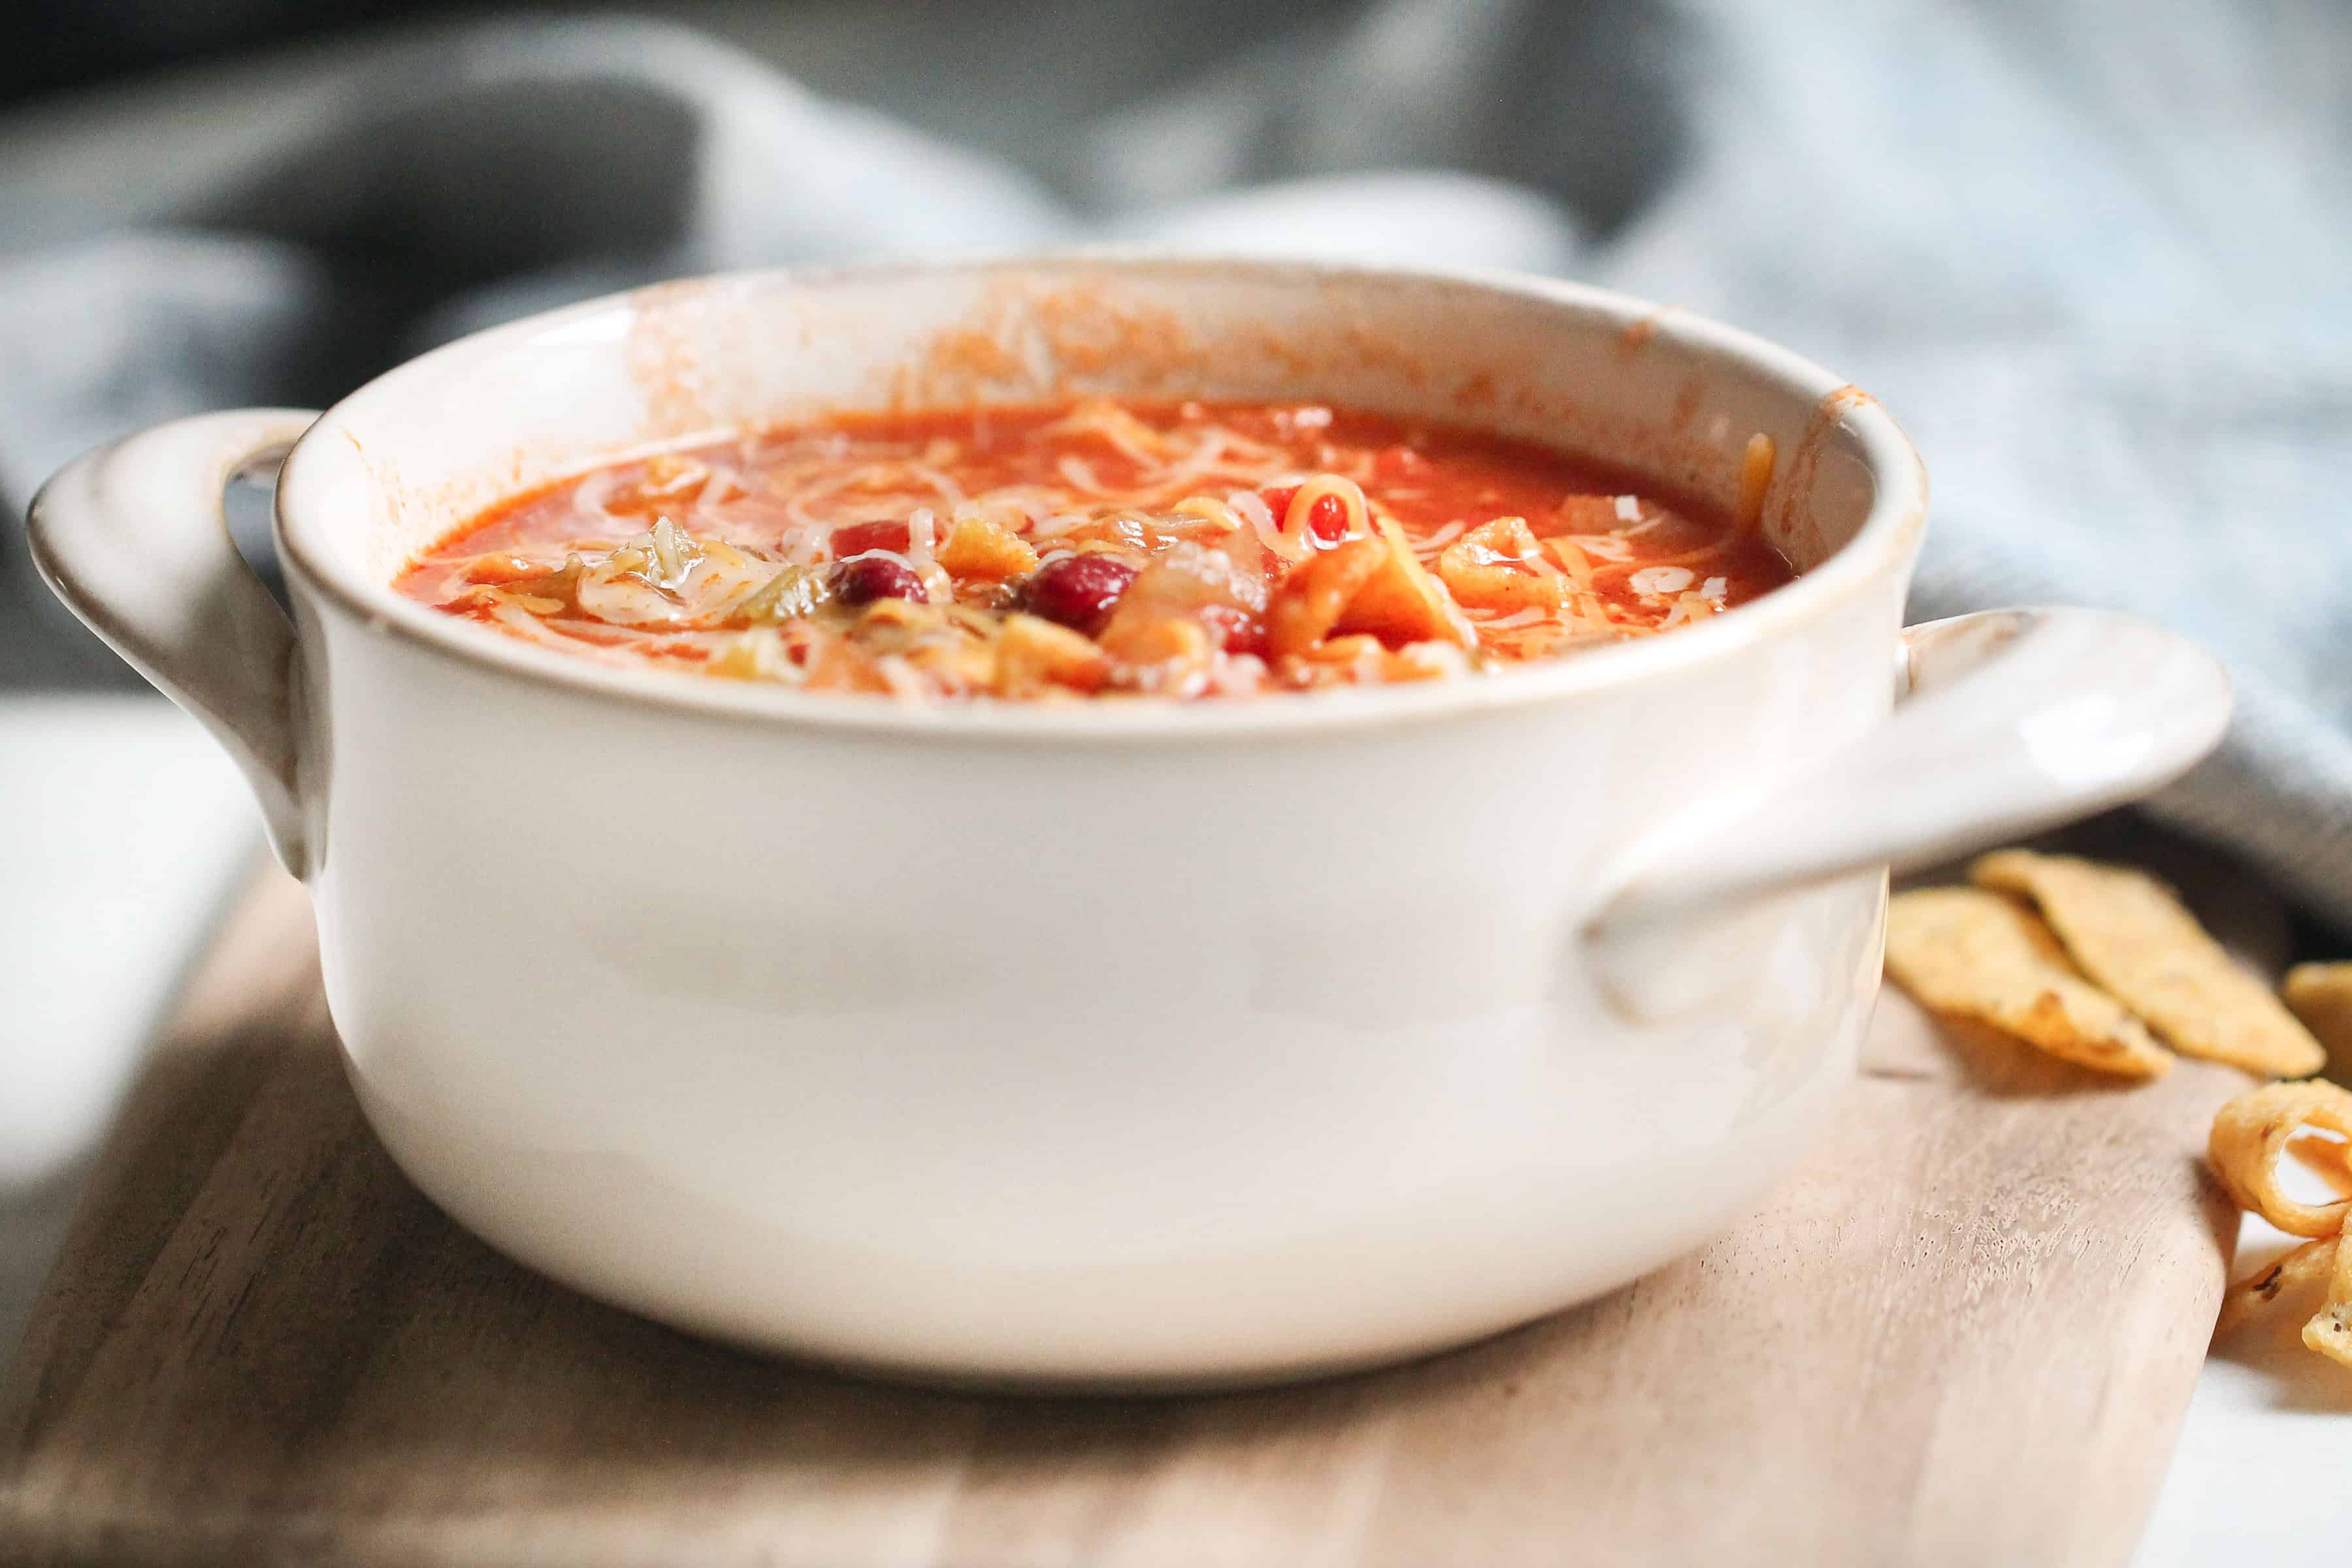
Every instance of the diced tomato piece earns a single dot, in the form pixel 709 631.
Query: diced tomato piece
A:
pixel 857 538
pixel 1235 629
pixel 1399 462
pixel 1326 520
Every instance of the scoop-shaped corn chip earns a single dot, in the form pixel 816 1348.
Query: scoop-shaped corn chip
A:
pixel 2329 1161
pixel 2126 932
pixel 1982 955
pixel 2330 1330
pixel 2321 995
pixel 2300 1270
pixel 2252 1131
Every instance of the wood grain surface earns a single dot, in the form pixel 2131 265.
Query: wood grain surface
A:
pixel 1964 1333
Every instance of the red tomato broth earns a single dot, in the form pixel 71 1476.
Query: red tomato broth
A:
pixel 916 554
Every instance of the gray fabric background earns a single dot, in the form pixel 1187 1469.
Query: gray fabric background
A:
pixel 2097 256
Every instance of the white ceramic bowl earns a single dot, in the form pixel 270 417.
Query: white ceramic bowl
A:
pixel 1132 1045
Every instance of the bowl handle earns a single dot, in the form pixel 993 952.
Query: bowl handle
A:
pixel 2009 722
pixel 132 538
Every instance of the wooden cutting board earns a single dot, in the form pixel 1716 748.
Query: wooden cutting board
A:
pixel 1965 1332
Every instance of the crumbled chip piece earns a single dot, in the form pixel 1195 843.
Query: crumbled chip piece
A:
pixel 1975 955
pixel 2252 1131
pixel 982 548
pixel 1035 655
pixel 2321 995
pixel 2291 1274
pixel 2330 1330
pixel 2126 931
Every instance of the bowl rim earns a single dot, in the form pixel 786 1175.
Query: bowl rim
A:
pixel 1889 534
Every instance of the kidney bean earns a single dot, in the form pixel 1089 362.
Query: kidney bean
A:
pixel 861 579
pixel 1078 591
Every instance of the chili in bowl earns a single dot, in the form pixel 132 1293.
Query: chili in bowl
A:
pixel 1100 548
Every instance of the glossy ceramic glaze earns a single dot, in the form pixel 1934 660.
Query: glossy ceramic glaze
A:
pixel 1131 1045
